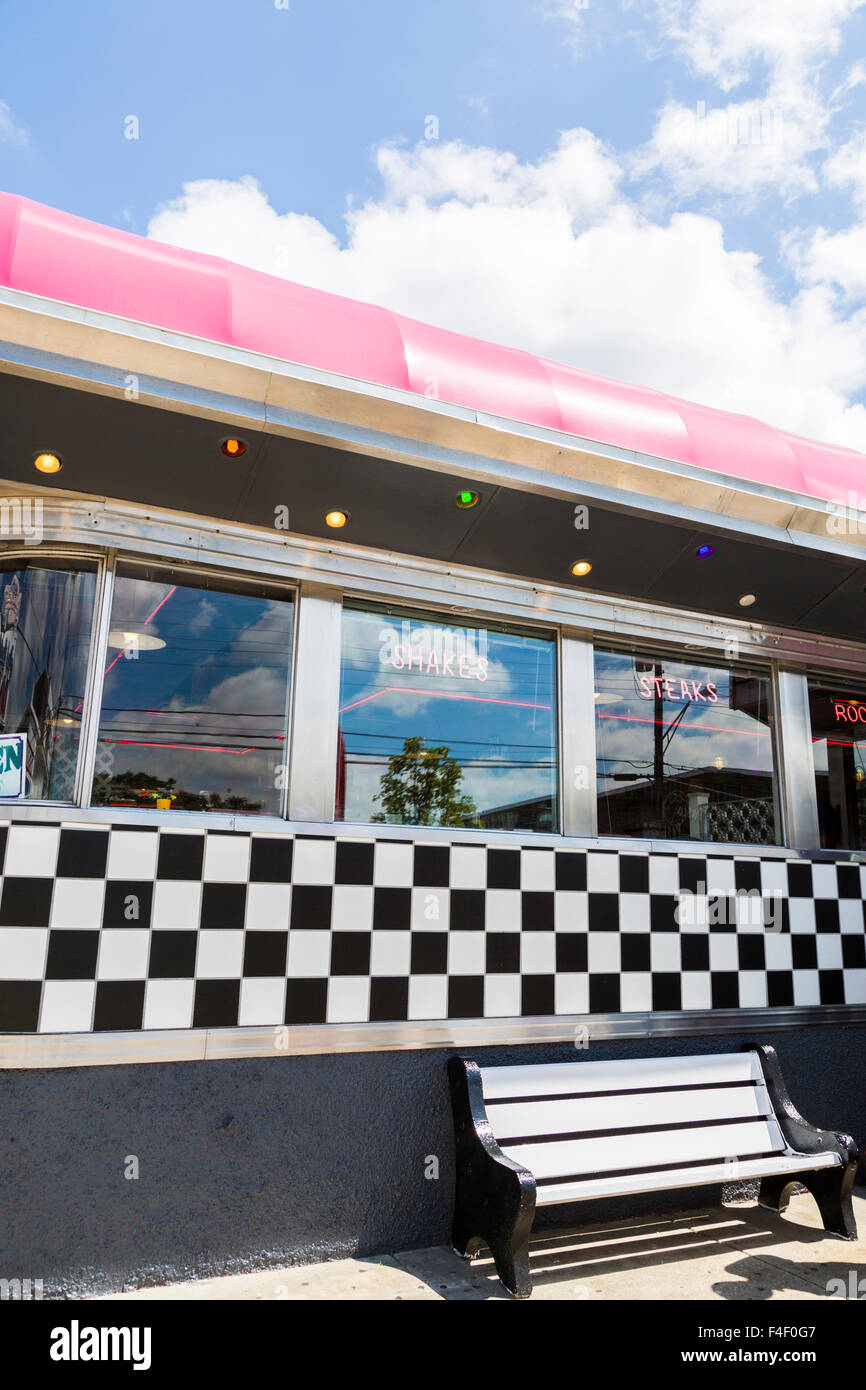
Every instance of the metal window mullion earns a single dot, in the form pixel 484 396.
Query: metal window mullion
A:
pixel 579 814
pixel 796 774
pixel 315 704
pixel 92 707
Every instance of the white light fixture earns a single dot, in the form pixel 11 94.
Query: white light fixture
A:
pixel 746 600
pixel 137 639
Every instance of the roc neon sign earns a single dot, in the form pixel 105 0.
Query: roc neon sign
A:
pixel 697 692
pixel 849 712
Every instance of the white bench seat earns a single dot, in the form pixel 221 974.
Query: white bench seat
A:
pixel 531 1136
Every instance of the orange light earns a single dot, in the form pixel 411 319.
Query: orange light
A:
pixel 580 568
pixel 233 448
pixel 47 463
pixel 336 519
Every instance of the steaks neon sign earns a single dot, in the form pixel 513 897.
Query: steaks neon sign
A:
pixel 697 692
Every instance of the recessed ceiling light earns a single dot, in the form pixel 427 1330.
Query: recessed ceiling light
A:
pixel 746 600
pixel 135 640
pixel 704 552
pixel 233 448
pixel 336 519
pixel 466 499
pixel 47 463
pixel 581 567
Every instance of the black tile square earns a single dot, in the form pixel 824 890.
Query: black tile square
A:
pixel 854 952
pixel 721 912
pixel 570 870
pixel 467 909
pixel 831 984
pixel 799 880
pixel 4 831
pixel 537 995
pixel 216 1004
pixel 172 955
pixel 572 952
pixel 389 1000
pixel 747 875
pixel 603 911
pixel 306 1001
pixel 827 916
pixel 780 988
pixel 604 995
pixel 466 996
pixel 26 902
pixel 119 1005
pixel 503 868
pixel 634 873
pixel 82 854
pixel 750 951
pixel 804 951
pixel 666 990
pixel 311 907
pixel 271 859
pixel 694 951
pixel 432 866
pixel 693 875
pixel 536 911
pixel 503 952
pixel 350 953
pixel 392 909
pixel 180 856
pixel 223 905
pixel 354 861
pixel 635 950
pixel 663 912
pixel 19 1005
pixel 429 953
pixel 725 989
pixel 265 953
pixel 72 955
pixel 848 879
pixel 127 903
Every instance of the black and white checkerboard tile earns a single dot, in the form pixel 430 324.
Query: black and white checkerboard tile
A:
pixel 129 928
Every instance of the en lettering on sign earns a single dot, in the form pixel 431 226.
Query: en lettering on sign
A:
pixel 13 761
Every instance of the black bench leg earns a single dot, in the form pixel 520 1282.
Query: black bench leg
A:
pixel 511 1257
pixel 775 1193
pixel 831 1189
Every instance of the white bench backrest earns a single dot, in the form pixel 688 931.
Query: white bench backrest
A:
pixel 576 1119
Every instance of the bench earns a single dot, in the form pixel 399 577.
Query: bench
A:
pixel 533 1136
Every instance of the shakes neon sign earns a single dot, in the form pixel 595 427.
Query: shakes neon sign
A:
pixel 698 692
pixel 436 651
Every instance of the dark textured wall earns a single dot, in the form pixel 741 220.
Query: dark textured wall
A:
pixel 266 1162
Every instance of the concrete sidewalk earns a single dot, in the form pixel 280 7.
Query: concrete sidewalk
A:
pixel 733 1252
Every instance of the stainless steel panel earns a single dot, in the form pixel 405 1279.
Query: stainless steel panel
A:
pixel 315 705
pixel 796 779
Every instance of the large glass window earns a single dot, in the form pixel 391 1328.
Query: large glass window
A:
pixel 46 618
pixel 838 712
pixel 685 750
pixel 195 694
pixel 445 723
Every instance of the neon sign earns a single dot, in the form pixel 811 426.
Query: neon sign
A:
pixel 694 691
pixel 439 651
pixel 849 712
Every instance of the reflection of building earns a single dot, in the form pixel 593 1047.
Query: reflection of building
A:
pixel 728 804
pixel 536 814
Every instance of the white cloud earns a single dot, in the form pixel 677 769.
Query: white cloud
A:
pixel 550 256
pixel 846 168
pixel 11 133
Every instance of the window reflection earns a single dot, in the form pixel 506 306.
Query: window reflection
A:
pixel 195 694
pixel 685 751
pixel 46 615
pixel 445 724
pixel 838 714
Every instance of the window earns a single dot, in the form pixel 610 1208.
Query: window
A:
pixel 46 617
pixel 195 694
pixel 685 750
pixel 446 724
pixel 838 713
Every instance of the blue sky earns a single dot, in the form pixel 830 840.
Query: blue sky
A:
pixel 702 228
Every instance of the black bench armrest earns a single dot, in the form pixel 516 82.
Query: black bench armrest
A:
pixel 798 1133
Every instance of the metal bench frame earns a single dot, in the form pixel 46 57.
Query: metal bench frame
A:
pixel 496 1197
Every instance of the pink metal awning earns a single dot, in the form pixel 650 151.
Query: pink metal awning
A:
pixel 53 254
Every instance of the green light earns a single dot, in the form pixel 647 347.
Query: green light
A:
pixel 466 499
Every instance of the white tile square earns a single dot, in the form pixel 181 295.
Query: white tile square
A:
pixel 393 865
pixel 720 875
pixel 313 861
pixel 220 955
pixel 268 906
pixel 850 915
pixel 634 912
pixel 570 910
pixel 855 986
pixel 123 955
pixel 829 952
pixel 502 996
pixel 538 953
pixel 603 952
pixel 801 912
pixel 774 877
pixel 503 909
pixel 825 884
pixel 466 953
pixel 31 851
pixel 348 999
pixel 807 987
pixel 430 909
pixel 67 1006
pixel 468 867
pixel 226 858
pixel 753 989
pixel 352 907
pixel 571 994
pixel 428 996
pixel 724 953
pixel 696 990
pixel 636 992
pixel 262 1002
pixel 391 952
pixel 778 952
pixel 132 854
pixel 664 874
pixel 176 905
pixel 77 903
pixel 309 954
pixel 665 951
pixel 602 872
pixel 23 952
pixel 168 1003
pixel 537 870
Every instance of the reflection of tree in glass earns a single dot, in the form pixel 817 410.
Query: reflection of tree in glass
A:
pixel 421 787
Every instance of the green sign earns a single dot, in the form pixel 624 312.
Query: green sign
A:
pixel 13 762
